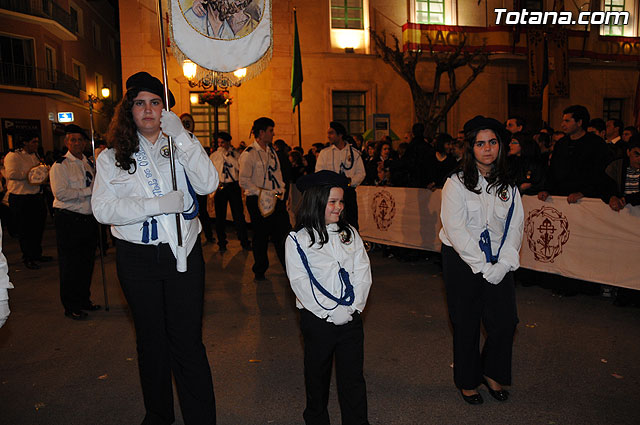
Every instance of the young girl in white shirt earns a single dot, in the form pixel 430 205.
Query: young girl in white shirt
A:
pixel 482 225
pixel 330 274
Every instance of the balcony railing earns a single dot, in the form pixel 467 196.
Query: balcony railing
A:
pixel 44 9
pixel 38 78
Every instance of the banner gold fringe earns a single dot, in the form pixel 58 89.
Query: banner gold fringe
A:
pixel 223 79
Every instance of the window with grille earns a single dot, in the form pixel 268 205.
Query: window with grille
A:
pixel 79 73
pixel 50 60
pixel 612 109
pixel 16 61
pixel 614 6
pixel 430 11
pixel 349 108
pixel 347 14
pixel 204 122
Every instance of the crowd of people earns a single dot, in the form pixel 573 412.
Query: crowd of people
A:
pixel 152 212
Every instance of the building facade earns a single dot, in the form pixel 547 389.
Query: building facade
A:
pixel 345 79
pixel 53 55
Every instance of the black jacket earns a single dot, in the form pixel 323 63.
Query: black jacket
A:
pixel 577 166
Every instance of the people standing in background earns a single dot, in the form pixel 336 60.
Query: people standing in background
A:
pixel 261 179
pixel 344 159
pixel 26 201
pixel 76 229
pixel 225 159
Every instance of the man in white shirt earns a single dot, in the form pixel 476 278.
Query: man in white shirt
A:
pixel 343 159
pixel 225 159
pixel 26 201
pixel 76 229
pixel 261 178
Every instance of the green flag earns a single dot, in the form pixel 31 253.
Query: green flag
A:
pixel 296 68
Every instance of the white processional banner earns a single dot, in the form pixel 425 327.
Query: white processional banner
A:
pixel 585 241
pixel 223 35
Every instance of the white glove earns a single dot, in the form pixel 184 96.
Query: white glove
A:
pixel 4 312
pixel 341 315
pixel 172 202
pixel 495 273
pixel 171 124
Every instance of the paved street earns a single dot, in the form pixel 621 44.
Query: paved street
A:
pixel 575 359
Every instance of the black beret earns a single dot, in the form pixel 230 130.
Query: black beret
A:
pixel 322 178
pixel 479 122
pixel 143 81
pixel 72 128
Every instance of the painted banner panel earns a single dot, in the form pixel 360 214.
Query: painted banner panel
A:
pixel 585 241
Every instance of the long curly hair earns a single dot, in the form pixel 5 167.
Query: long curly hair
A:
pixel 500 176
pixel 122 134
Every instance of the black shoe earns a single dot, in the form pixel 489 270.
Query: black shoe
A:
pixel 500 395
pixel 92 307
pixel 32 265
pixel 76 315
pixel 259 278
pixel 472 399
pixel 44 258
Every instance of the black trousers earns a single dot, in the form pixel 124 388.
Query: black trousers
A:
pixel 230 194
pixel 76 238
pixel 472 300
pixel 167 312
pixel 323 341
pixel 30 213
pixel 351 206
pixel 276 226
pixel 205 220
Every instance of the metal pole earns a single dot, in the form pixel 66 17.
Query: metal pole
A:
pixel 299 128
pixel 165 79
pixel 93 99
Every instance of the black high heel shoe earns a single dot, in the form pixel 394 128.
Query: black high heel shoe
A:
pixel 500 395
pixel 472 399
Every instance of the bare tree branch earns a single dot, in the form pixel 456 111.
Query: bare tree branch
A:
pixel 425 101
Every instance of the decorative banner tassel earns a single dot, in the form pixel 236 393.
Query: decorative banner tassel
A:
pixel 145 232
pixel 154 229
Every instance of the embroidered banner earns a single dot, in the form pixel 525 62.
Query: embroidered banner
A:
pixel 585 241
pixel 223 35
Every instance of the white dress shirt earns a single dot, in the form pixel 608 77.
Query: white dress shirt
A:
pixel 260 169
pixel 465 215
pixel 72 183
pixel 16 170
pixel 122 200
pixel 325 262
pixel 226 162
pixel 345 161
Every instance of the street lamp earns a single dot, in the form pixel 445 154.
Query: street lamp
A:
pixel 189 69
pixel 105 92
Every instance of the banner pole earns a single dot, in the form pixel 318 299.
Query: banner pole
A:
pixel 165 79
pixel 93 99
pixel 299 128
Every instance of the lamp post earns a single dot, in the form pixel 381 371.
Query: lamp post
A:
pixel 212 79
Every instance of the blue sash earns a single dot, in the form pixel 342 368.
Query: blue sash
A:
pixel 347 295
pixel 146 167
pixel 485 239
